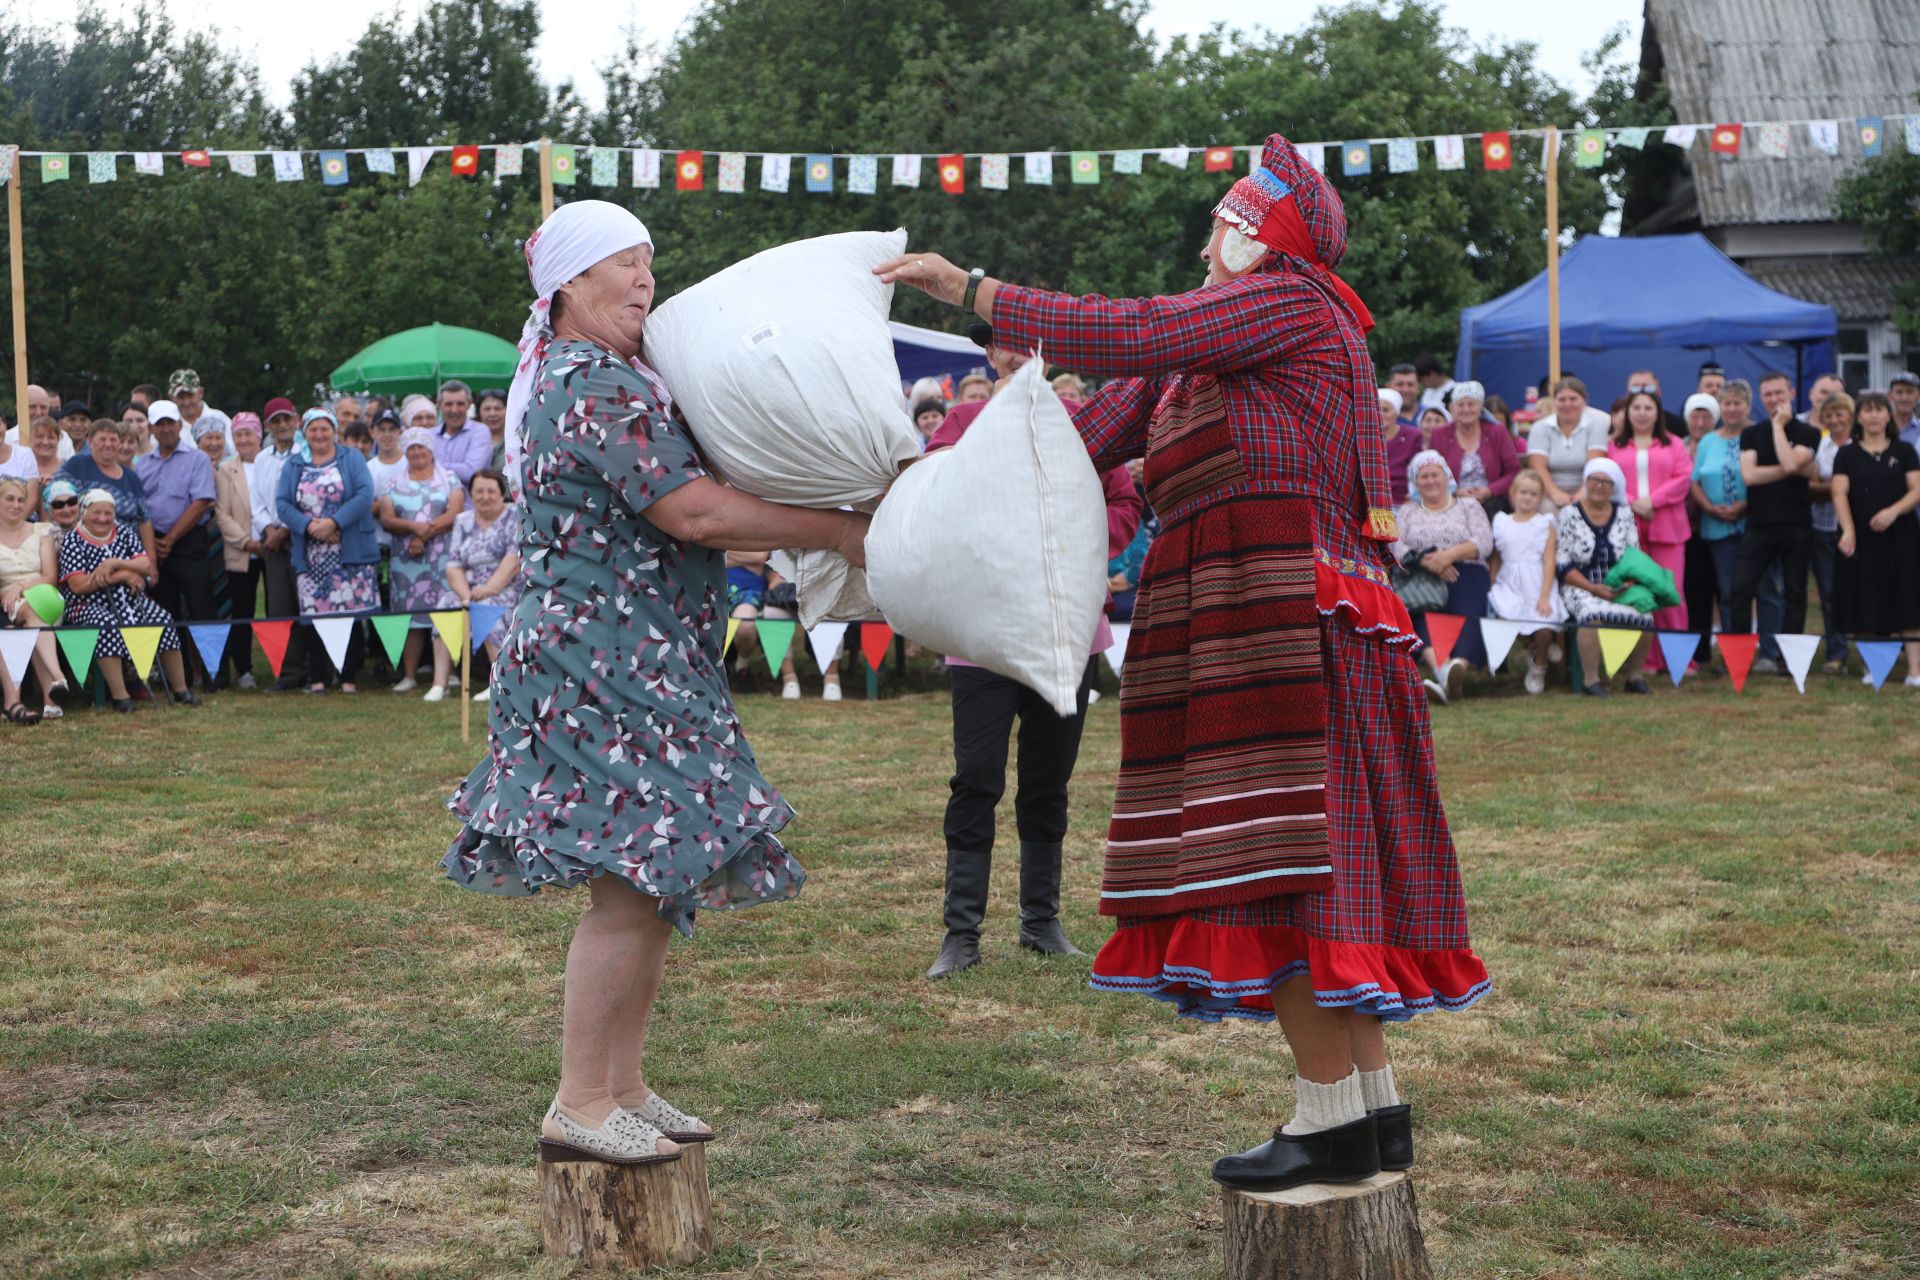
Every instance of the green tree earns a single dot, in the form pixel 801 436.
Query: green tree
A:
pixel 1883 195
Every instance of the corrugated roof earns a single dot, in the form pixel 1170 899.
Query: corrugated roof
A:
pixel 1752 61
pixel 1857 287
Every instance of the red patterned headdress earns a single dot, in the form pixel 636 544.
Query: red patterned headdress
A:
pixel 1286 205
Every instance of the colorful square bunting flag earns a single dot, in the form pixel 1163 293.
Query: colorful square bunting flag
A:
pixel 689 171
pixel 1314 153
pixel 465 162
pixel 1175 156
pixel 1725 140
pixel 1450 151
pixel 1680 135
pixel 197 158
pixel 149 163
pixel 287 166
pixel 953 174
pixel 1590 149
pixel 1356 158
pixel 378 160
pixel 8 154
pixel 646 167
pixel 1772 142
pixel 54 168
pixel 820 175
pixel 1871 130
pixel 1039 168
pixel 1634 139
pixel 418 158
pixel 993 171
pixel 566 164
pixel 1825 136
pixel 906 171
pixel 1496 150
pixel 1913 135
pixel 244 163
pixel 863 175
pixel 775 172
pixel 1084 166
pixel 733 172
pixel 1217 159
pixel 606 167
pixel 1127 161
pixel 101 166
pixel 333 168
pixel 1402 155
pixel 507 161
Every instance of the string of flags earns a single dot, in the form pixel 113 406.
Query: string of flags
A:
pixel 649 168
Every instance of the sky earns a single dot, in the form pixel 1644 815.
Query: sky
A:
pixel 282 38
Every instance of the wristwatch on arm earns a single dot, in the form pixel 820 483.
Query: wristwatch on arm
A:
pixel 974 277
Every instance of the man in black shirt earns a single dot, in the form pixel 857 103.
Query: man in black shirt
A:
pixel 1776 457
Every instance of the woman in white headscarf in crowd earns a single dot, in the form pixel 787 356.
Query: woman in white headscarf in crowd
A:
pixel 614 756
pixel 1594 533
pixel 418 411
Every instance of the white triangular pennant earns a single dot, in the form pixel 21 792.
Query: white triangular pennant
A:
pixel 1117 651
pixel 1798 651
pixel 16 650
pixel 824 640
pixel 1499 635
pixel 335 633
pixel 417 158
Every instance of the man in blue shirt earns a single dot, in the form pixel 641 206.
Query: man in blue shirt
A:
pixel 180 493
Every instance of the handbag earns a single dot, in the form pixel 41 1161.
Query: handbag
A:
pixel 1419 589
pixel 783 595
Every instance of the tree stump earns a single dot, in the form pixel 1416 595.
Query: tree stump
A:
pixel 610 1215
pixel 1324 1231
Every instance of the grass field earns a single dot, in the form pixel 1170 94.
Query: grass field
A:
pixel 250 1031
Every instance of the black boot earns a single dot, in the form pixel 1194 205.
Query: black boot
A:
pixel 966 907
pixel 1396 1135
pixel 1040 901
pixel 1350 1153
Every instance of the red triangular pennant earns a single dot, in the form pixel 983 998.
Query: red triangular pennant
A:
pixel 1737 653
pixel 1443 632
pixel 875 639
pixel 273 642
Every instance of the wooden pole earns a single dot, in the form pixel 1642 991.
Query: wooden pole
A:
pixel 546 178
pixel 1552 162
pixel 466 696
pixel 18 274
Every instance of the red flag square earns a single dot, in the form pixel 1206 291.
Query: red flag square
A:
pixel 1726 139
pixel 466 161
pixel 689 171
pixel 198 158
pixel 1217 159
pixel 953 174
pixel 1496 150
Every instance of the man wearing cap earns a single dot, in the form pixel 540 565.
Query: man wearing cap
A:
pixel 1903 389
pixel 1712 378
pixel 184 389
pixel 180 496
pixel 461 443
pixel 39 405
pixel 76 423
pixel 276 540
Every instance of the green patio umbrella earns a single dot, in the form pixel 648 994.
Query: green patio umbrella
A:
pixel 421 359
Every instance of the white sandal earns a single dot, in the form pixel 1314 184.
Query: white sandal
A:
pixel 622 1138
pixel 677 1125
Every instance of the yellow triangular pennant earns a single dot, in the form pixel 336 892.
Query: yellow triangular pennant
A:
pixel 452 626
pixel 1616 645
pixel 733 625
pixel 142 643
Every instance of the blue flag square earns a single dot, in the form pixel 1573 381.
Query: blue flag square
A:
pixel 1356 158
pixel 1872 135
pixel 333 168
pixel 820 173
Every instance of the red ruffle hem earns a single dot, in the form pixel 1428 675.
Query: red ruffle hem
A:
pixel 1361 597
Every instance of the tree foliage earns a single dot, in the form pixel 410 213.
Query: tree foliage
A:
pixel 1883 195
pixel 265 286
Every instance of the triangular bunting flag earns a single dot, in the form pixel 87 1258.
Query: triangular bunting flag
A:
pixel 1879 655
pixel 1616 644
pixel 16 650
pixel 1677 649
pixel 776 637
pixel 272 637
pixel 210 638
pixel 485 617
pixel 875 639
pixel 77 644
pixel 452 626
pixel 336 634
pixel 1499 635
pixel 392 630
pixel 1117 651
pixel 1737 652
pixel 733 626
pixel 1798 651
pixel 142 644
pixel 1443 632
pixel 825 641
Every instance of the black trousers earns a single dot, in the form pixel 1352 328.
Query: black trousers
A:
pixel 189 590
pixel 283 601
pixel 315 659
pixel 243 597
pixel 985 707
pixel 1703 588
pixel 1761 547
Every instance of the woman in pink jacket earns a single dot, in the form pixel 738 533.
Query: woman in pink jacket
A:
pixel 1479 449
pixel 1659 473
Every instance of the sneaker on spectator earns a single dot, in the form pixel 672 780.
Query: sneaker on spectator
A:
pixel 1913 682
pixel 832 691
pixel 790 691
pixel 1436 691
pixel 1451 675
pixel 245 681
pixel 1867 679
pixel 436 694
pixel 53 711
pixel 483 696
pixel 1536 677
pixel 1093 696
pixel 1765 666
pixel 407 685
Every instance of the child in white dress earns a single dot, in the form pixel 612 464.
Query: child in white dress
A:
pixel 1524 589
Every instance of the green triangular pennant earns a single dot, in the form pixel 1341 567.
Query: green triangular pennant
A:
pixel 775 638
pixel 392 630
pixel 77 643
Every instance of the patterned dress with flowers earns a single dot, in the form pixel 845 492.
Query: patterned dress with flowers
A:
pixel 479 552
pixel 419 583
pixel 613 747
pixel 327 586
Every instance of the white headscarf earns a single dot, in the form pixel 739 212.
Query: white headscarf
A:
pixel 577 236
pixel 1701 400
pixel 1469 391
pixel 1611 470
pixel 1392 397
pixel 1430 458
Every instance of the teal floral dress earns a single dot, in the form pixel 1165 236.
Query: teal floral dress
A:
pixel 613 747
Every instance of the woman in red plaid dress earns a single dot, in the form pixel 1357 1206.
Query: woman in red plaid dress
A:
pixel 1278 845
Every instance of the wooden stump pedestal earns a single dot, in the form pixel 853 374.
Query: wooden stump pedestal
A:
pixel 1354 1231
pixel 610 1215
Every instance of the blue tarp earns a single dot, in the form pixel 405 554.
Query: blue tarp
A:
pixel 928 353
pixel 1665 303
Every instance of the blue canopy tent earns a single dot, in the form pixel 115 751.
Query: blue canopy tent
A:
pixel 928 353
pixel 1665 303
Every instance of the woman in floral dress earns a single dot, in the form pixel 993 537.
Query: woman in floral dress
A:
pixel 483 564
pixel 326 500
pixel 614 756
pixel 103 575
pixel 418 509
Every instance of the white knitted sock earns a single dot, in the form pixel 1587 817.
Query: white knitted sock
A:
pixel 1376 1087
pixel 1325 1106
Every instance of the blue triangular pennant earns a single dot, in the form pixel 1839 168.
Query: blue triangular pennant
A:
pixel 1879 655
pixel 484 618
pixel 1678 648
pixel 210 638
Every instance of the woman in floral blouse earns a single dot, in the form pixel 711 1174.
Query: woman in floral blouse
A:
pixel 483 564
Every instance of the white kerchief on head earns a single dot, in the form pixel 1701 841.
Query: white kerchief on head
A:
pixel 1611 470
pixel 1469 391
pixel 1392 397
pixel 577 236
pixel 1701 400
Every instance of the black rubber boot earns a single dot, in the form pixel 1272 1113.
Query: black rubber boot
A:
pixel 1396 1135
pixel 966 908
pixel 1040 901
pixel 1350 1153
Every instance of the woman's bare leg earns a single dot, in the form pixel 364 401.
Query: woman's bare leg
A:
pixel 1320 1038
